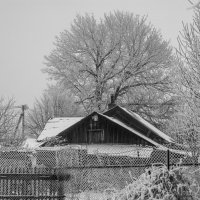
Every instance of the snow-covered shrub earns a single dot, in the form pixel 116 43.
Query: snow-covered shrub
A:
pixel 158 183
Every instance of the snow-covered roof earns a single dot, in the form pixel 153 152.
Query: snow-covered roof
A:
pixel 148 125
pixel 132 130
pixel 56 125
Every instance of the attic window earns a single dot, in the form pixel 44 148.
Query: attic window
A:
pixel 94 122
pixel 95 118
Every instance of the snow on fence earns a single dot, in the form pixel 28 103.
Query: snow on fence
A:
pixel 91 168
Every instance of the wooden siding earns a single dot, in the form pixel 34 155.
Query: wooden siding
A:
pixel 112 133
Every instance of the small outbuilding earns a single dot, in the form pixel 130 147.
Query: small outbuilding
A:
pixel 115 126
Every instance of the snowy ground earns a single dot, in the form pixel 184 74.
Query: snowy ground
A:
pixel 90 195
pixel 118 150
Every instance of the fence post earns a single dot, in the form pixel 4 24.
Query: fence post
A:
pixel 168 159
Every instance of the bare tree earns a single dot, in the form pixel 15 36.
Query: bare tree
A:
pixel 189 53
pixel 55 102
pixel 194 5
pixel 120 54
pixel 185 124
pixel 184 128
pixel 8 119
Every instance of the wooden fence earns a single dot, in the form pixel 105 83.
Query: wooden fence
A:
pixel 31 183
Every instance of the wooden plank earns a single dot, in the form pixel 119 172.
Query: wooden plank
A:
pixel 25 176
pixel 31 183
pixel 30 197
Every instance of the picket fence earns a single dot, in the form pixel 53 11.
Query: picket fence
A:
pixel 31 183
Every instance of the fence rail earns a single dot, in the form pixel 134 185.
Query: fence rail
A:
pixel 61 172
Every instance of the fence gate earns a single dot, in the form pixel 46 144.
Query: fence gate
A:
pixel 31 183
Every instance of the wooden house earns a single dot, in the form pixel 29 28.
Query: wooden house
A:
pixel 115 126
pixel 115 136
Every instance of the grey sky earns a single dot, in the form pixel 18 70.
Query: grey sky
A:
pixel 28 29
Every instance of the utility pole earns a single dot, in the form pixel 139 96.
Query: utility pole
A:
pixel 21 118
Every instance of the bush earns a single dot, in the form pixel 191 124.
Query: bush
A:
pixel 159 183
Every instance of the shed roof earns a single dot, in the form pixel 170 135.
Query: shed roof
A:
pixel 145 123
pixel 150 126
pixel 116 121
pixel 56 125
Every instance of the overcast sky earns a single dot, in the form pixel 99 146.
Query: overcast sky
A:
pixel 28 29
